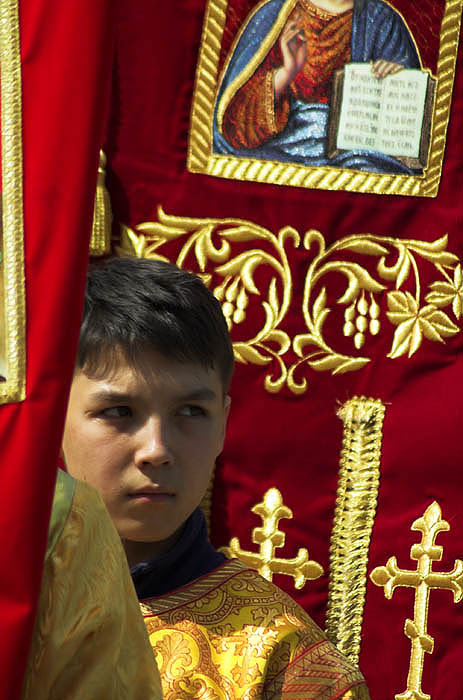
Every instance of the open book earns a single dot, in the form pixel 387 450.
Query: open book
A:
pixel 391 115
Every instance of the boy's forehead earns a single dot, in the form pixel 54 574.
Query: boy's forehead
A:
pixel 148 368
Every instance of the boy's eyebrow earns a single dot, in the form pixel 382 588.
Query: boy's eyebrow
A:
pixel 201 394
pixel 110 395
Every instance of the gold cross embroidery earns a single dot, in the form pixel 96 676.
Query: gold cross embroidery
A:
pixel 423 579
pixel 269 537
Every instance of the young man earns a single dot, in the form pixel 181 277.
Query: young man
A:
pixel 146 420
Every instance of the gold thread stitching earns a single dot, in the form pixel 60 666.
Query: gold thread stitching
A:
pixel 422 579
pixel 206 248
pixel 201 158
pixel 353 521
pixel 269 537
pixel 12 210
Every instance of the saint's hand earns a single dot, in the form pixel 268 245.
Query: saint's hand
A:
pixel 381 68
pixel 294 53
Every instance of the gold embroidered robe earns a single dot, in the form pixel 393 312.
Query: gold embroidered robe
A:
pixel 89 642
pixel 233 635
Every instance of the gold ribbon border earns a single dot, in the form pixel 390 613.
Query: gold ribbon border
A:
pixel 12 199
pixel 202 160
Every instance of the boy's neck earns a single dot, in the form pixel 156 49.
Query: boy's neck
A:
pixel 137 552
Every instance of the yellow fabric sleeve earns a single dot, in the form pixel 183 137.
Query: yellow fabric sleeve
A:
pixel 89 639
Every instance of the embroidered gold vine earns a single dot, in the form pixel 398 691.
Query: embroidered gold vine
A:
pixel 354 517
pixel 207 247
pixel 413 319
pixel 269 537
pixel 423 579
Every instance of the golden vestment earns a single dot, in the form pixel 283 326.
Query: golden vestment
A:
pixel 89 642
pixel 231 634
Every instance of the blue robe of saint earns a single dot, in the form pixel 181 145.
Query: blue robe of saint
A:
pixel 378 32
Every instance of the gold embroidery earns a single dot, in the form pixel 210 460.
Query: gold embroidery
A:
pixel 413 321
pixel 232 634
pixel 423 579
pixel 353 522
pixel 269 537
pixel 12 261
pixel 100 241
pixel 202 160
pixel 206 248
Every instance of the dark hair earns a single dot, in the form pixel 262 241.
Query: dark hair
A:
pixel 134 304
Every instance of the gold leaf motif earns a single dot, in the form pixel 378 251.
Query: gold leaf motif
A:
pixel 209 248
pixel 413 322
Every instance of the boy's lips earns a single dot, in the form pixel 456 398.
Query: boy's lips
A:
pixel 151 493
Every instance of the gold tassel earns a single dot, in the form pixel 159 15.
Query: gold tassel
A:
pixel 100 241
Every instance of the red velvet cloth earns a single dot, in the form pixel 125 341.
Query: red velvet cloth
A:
pixel 66 52
pixel 294 442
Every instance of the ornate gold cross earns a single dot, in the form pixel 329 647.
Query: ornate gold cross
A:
pixel 423 579
pixel 269 537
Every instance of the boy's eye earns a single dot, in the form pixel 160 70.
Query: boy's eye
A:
pixel 117 412
pixel 190 411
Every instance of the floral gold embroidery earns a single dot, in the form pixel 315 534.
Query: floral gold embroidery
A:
pixel 413 321
pixel 423 579
pixel 354 517
pixel 240 276
pixel 269 537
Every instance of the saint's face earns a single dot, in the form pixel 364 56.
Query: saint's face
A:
pixel 147 438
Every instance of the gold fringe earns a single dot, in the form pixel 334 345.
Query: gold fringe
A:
pixel 100 241
pixel 353 521
pixel 12 262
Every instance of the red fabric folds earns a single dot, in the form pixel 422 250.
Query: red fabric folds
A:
pixel 66 52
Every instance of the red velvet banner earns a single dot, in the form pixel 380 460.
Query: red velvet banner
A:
pixel 406 352
pixel 66 52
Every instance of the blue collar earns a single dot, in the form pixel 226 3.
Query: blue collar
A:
pixel 191 556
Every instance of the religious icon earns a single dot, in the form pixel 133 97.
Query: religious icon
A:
pixel 280 89
pixel 330 94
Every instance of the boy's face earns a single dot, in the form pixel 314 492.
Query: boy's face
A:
pixel 147 438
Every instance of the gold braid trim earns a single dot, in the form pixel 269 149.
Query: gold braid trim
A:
pixel 202 160
pixel 353 521
pixel 12 291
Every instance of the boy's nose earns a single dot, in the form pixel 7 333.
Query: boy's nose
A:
pixel 153 447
